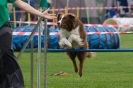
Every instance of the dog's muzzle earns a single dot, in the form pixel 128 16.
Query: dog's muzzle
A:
pixel 58 24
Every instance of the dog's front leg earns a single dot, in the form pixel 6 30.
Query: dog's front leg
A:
pixel 75 38
pixel 64 43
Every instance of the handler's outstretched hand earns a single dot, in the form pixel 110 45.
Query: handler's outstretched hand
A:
pixel 47 15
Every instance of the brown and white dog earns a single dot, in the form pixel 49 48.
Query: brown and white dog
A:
pixel 73 36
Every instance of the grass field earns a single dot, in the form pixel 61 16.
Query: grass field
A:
pixel 106 70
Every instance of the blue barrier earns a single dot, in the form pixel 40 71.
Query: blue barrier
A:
pixel 95 41
pixel 90 50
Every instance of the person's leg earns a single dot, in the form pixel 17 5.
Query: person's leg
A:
pixel 5 43
pixel 5 40
pixel 10 72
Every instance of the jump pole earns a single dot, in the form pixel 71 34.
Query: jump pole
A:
pixel 32 34
pixel 45 54
pixel 31 65
pixel 39 62
pixel 90 50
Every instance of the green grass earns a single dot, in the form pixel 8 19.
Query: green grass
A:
pixel 106 70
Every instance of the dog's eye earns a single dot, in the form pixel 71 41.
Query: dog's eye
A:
pixel 60 18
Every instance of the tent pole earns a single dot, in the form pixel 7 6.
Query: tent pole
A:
pixel 87 12
pixel 80 11
pixel 67 5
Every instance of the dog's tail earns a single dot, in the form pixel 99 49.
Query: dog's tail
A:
pixel 90 54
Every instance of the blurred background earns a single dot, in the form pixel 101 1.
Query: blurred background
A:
pixel 102 10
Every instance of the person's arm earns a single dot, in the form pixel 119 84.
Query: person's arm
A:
pixel 26 7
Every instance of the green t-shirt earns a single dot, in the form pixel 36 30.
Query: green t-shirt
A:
pixel 4 11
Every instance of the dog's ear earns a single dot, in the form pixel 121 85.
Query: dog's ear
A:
pixel 71 15
pixel 59 16
pixel 73 19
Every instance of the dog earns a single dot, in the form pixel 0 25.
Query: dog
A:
pixel 73 36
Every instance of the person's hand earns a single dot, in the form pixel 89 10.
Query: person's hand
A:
pixel 48 16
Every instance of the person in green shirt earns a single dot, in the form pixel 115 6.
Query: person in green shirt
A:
pixel 10 72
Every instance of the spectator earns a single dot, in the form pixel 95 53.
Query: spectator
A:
pixel 112 12
pixel 49 3
pixel 117 15
pixel 131 8
pixel 131 14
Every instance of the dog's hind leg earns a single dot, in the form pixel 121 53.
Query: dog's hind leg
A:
pixel 81 57
pixel 72 56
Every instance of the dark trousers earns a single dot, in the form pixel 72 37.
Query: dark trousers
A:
pixel 5 43
pixel 10 72
pixel 6 39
